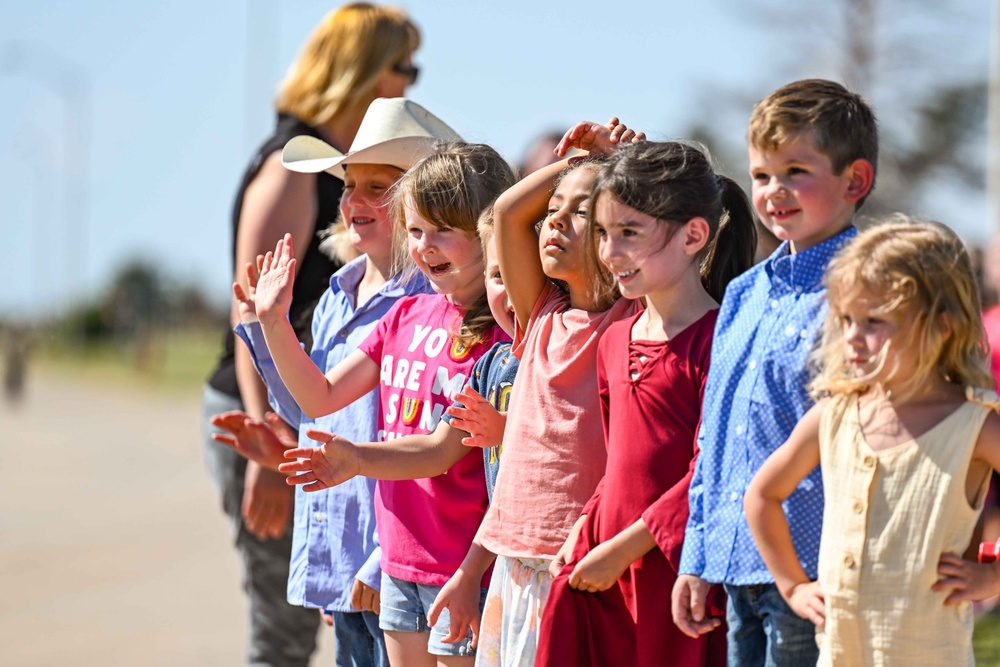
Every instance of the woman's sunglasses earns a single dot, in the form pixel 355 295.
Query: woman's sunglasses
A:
pixel 411 72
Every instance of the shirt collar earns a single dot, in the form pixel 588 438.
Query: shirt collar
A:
pixel 349 277
pixel 805 270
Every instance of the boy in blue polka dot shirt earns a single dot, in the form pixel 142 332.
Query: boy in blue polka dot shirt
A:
pixel 813 151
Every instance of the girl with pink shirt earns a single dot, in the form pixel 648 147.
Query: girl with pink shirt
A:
pixel 419 355
pixel 553 445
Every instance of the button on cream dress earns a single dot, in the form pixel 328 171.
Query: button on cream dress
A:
pixel 888 517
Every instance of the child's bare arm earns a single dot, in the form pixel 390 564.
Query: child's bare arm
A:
pixel 773 483
pixel 461 595
pixel 605 563
pixel 515 213
pixel 316 394
pixel 338 459
pixel 967 580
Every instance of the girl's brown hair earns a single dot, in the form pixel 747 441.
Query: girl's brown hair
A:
pixel 343 59
pixel 917 268
pixel 451 188
pixel 674 182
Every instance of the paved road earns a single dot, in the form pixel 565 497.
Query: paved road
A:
pixel 112 549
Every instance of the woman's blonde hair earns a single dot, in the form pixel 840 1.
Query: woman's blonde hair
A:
pixel 341 62
pixel 452 187
pixel 916 268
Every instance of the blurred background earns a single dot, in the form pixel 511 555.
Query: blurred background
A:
pixel 124 129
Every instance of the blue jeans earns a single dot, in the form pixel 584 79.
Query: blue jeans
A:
pixel 359 640
pixel 765 632
pixel 280 634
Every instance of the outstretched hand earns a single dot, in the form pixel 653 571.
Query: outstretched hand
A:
pixel 477 417
pixel 323 467
pixel 273 295
pixel 259 442
pixel 597 139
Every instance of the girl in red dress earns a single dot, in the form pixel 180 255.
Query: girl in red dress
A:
pixel 674 232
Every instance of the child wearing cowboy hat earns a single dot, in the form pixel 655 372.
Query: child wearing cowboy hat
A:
pixel 335 553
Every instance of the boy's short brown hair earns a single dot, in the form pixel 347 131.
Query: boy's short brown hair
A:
pixel 842 123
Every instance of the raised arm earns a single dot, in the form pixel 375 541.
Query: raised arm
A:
pixel 276 201
pixel 770 487
pixel 316 394
pixel 515 214
pixel 526 203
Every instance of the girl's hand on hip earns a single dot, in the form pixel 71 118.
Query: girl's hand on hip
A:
pixel 807 600
pixel 966 580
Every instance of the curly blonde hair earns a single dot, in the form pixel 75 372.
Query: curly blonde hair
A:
pixel 920 269
pixel 343 59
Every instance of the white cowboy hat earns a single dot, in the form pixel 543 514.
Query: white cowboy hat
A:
pixel 394 131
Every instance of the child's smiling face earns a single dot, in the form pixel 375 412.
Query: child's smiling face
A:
pixel 562 233
pixel 451 259
pixel 364 207
pixel 799 196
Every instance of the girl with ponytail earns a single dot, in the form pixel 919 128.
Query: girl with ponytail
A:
pixel 673 232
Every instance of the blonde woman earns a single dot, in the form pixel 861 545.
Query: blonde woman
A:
pixel 358 53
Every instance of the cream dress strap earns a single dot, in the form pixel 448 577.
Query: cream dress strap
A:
pixel 888 516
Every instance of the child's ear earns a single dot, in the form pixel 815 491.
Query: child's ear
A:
pixel 862 175
pixel 696 233
pixel 946 327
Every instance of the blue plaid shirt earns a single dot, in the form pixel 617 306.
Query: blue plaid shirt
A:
pixel 334 540
pixel 755 394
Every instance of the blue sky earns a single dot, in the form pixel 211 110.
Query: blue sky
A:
pixel 178 100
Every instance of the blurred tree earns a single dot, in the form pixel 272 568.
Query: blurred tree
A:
pixel 930 99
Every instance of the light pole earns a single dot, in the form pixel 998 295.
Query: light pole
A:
pixel 993 128
pixel 71 82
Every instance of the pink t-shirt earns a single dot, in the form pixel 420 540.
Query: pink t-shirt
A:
pixel 425 525
pixel 553 446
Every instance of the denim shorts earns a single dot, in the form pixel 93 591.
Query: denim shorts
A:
pixel 404 607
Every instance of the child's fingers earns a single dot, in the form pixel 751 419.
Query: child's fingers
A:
pixel 440 602
pixel 816 611
pixel 639 136
pixel 252 275
pixel 474 624
pixel 476 441
pixel 226 439
pixel 297 465
pixel 322 437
